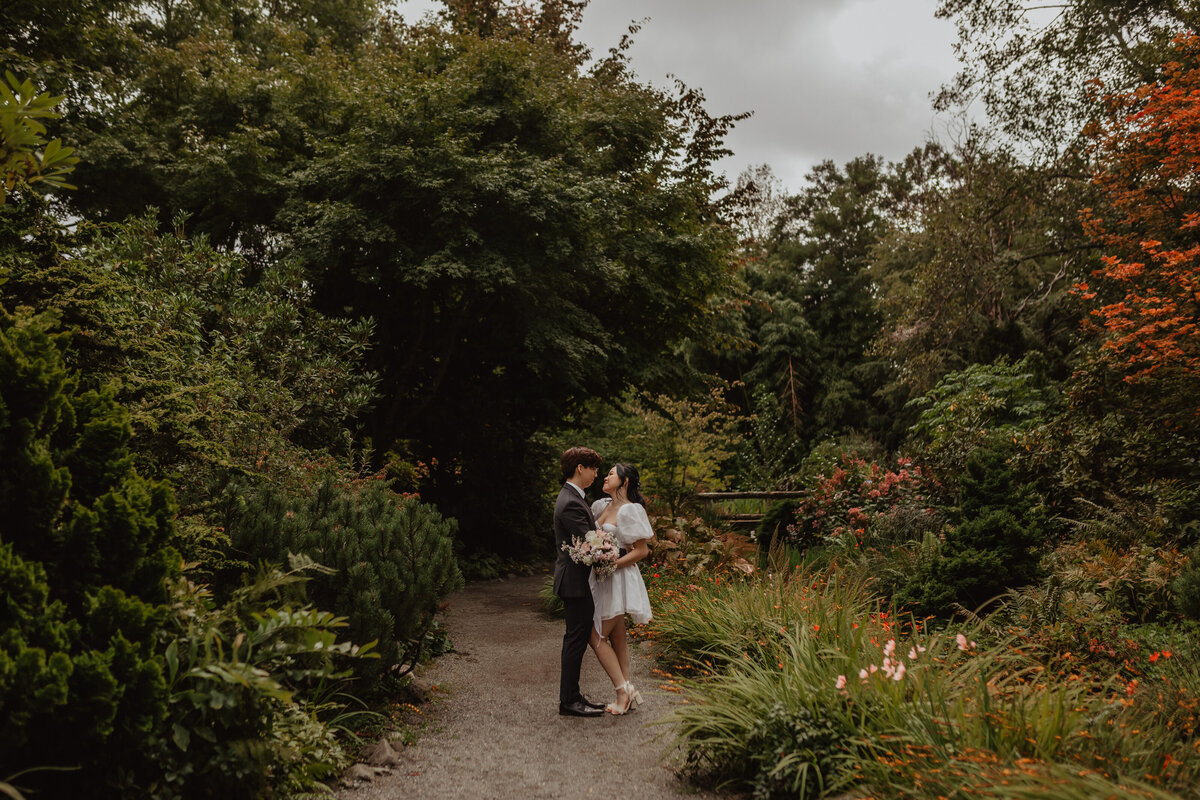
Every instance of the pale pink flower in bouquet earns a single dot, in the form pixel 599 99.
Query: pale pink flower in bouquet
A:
pixel 597 549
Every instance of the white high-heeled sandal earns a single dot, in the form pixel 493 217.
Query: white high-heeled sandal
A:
pixel 630 694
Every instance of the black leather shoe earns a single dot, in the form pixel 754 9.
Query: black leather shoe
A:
pixel 576 708
pixel 590 704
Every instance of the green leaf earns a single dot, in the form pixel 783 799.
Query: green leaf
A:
pixel 180 736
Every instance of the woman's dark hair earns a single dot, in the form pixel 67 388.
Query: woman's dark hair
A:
pixel 576 456
pixel 628 475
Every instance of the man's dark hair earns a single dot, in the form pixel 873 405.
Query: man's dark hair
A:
pixel 576 456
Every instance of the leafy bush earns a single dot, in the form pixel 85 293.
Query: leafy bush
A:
pixel 992 550
pixel 693 546
pixel 1186 589
pixel 847 500
pixel 1132 580
pixel 977 407
pixel 239 727
pixel 774 522
pixel 550 602
pixel 680 446
pixel 392 558
pixel 224 367
pixel 794 752
pixel 769 457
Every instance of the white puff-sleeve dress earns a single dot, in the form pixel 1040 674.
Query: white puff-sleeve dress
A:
pixel 623 592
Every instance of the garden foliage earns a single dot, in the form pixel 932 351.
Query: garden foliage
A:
pixel 84 544
pixel 243 677
pixel 391 559
pixel 803 683
pixel 993 548
pixel 850 499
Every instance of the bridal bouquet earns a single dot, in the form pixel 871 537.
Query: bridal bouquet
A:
pixel 598 550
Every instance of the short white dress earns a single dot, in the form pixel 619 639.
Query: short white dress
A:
pixel 623 592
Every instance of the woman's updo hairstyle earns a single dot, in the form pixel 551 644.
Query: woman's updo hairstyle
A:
pixel 628 475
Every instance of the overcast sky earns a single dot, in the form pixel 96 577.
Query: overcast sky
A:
pixel 825 78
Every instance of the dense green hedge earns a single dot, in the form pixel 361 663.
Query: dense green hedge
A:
pixel 84 558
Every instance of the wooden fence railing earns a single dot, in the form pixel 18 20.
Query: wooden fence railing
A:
pixel 744 520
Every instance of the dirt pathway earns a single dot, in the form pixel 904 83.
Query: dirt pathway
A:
pixel 496 732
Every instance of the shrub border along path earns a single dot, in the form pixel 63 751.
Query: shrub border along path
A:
pixel 496 731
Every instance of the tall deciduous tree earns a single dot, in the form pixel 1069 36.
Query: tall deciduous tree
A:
pixel 1030 61
pixel 980 264
pixel 1149 153
pixel 525 233
pixel 1133 427
pixel 526 230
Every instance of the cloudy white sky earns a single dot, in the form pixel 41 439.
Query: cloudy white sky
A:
pixel 825 78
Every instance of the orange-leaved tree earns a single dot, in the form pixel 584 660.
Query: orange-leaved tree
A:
pixel 1148 169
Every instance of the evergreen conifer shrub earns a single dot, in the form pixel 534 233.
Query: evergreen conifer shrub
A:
pixel 83 568
pixel 992 550
pixel 393 557
pixel 1186 589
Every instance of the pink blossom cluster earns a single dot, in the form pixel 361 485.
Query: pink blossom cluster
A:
pixel 857 490
pixel 892 667
pixel 597 549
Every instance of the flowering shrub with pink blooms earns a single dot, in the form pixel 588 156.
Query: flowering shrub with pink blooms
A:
pixel 843 505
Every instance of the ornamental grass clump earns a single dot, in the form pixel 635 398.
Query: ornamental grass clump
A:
pixel 805 685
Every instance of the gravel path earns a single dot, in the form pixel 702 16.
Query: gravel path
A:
pixel 495 730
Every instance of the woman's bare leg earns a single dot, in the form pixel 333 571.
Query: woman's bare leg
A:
pixel 620 645
pixel 605 655
pixel 602 645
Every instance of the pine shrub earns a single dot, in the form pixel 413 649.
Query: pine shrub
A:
pixel 1186 589
pixel 392 555
pixel 994 547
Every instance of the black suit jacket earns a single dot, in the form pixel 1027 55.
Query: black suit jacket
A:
pixel 572 518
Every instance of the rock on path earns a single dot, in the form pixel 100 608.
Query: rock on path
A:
pixel 496 732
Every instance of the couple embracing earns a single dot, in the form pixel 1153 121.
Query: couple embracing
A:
pixel 596 606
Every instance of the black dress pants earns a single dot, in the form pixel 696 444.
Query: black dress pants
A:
pixel 579 612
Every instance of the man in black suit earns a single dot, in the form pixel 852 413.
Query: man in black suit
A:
pixel 573 517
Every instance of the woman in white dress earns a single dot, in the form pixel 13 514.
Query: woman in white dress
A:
pixel 623 513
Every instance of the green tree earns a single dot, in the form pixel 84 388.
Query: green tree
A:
pixel 226 371
pixel 995 547
pixel 535 236
pixel 981 265
pixel 982 405
pixel 1031 63
pixel 679 446
pixel 526 230
pixel 811 311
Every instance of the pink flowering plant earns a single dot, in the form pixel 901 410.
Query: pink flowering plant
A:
pixel 596 549
pixel 844 503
